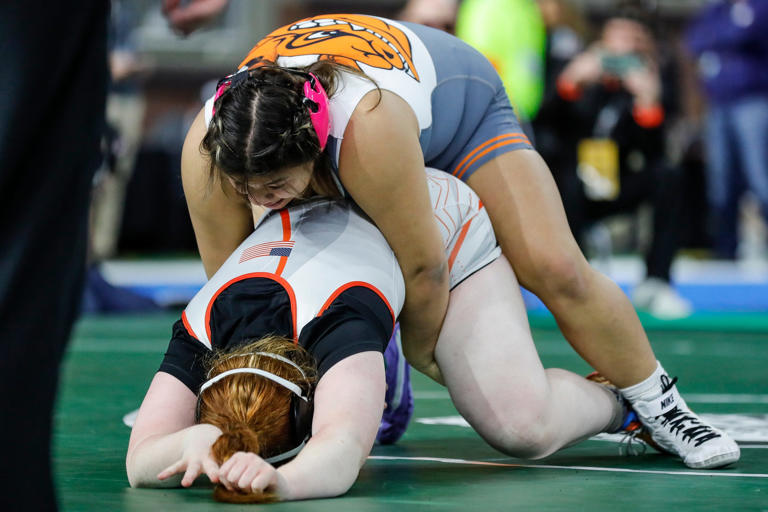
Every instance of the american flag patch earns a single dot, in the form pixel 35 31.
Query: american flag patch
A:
pixel 267 249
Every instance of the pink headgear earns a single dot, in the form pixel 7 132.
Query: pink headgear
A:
pixel 315 99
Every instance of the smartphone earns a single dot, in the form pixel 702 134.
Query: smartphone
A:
pixel 620 64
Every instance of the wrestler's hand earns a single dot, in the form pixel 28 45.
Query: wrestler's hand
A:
pixel 196 456
pixel 432 371
pixel 248 472
pixel 421 358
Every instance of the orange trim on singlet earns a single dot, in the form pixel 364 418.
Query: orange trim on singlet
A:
pixel 187 326
pixel 285 217
pixel 352 284
pixel 488 150
pixel 266 275
pixel 459 243
pixel 458 169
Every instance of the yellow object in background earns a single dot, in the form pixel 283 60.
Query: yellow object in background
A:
pixel 511 34
pixel 599 168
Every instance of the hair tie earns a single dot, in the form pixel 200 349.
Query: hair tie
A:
pixel 227 83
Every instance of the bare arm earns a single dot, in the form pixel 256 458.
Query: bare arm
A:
pixel 382 167
pixel 348 404
pixel 164 431
pixel 220 217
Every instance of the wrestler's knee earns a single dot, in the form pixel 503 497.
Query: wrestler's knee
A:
pixel 553 274
pixel 526 432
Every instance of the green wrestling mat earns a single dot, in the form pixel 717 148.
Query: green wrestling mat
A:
pixel 698 321
pixel 440 464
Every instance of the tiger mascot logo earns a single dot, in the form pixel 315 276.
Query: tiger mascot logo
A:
pixel 347 39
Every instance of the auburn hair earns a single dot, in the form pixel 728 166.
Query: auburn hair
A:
pixel 253 412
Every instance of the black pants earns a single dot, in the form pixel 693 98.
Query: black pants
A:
pixel 53 81
pixel 658 185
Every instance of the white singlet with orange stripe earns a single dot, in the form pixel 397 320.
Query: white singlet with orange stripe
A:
pixel 318 249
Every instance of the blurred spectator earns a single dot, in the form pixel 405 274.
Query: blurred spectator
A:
pixel 125 115
pixel 567 31
pixel 120 144
pixel 608 117
pixel 510 33
pixel 440 14
pixel 730 40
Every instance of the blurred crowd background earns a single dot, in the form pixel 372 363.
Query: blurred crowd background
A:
pixel 652 115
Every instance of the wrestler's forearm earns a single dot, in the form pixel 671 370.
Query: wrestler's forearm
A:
pixel 150 457
pixel 326 467
pixel 348 404
pixel 422 318
pixel 154 454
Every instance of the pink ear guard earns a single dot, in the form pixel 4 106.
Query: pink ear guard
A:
pixel 321 120
pixel 315 99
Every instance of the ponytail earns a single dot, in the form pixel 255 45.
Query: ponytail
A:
pixel 238 439
pixel 252 412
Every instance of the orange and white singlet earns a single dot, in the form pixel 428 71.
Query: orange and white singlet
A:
pixel 322 274
pixel 319 249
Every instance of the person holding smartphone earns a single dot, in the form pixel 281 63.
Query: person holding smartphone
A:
pixel 608 115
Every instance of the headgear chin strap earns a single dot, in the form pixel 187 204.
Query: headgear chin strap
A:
pixel 315 99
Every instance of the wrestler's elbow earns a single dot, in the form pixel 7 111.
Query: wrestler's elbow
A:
pixel 428 274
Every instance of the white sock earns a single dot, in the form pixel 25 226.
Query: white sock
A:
pixel 647 390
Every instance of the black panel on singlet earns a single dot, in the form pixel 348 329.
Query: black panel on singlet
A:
pixel 358 320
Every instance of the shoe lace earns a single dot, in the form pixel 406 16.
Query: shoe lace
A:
pixel 680 421
pixel 631 445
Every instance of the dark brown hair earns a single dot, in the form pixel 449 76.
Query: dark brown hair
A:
pixel 261 125
pixel 641 12
pixel 253 412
